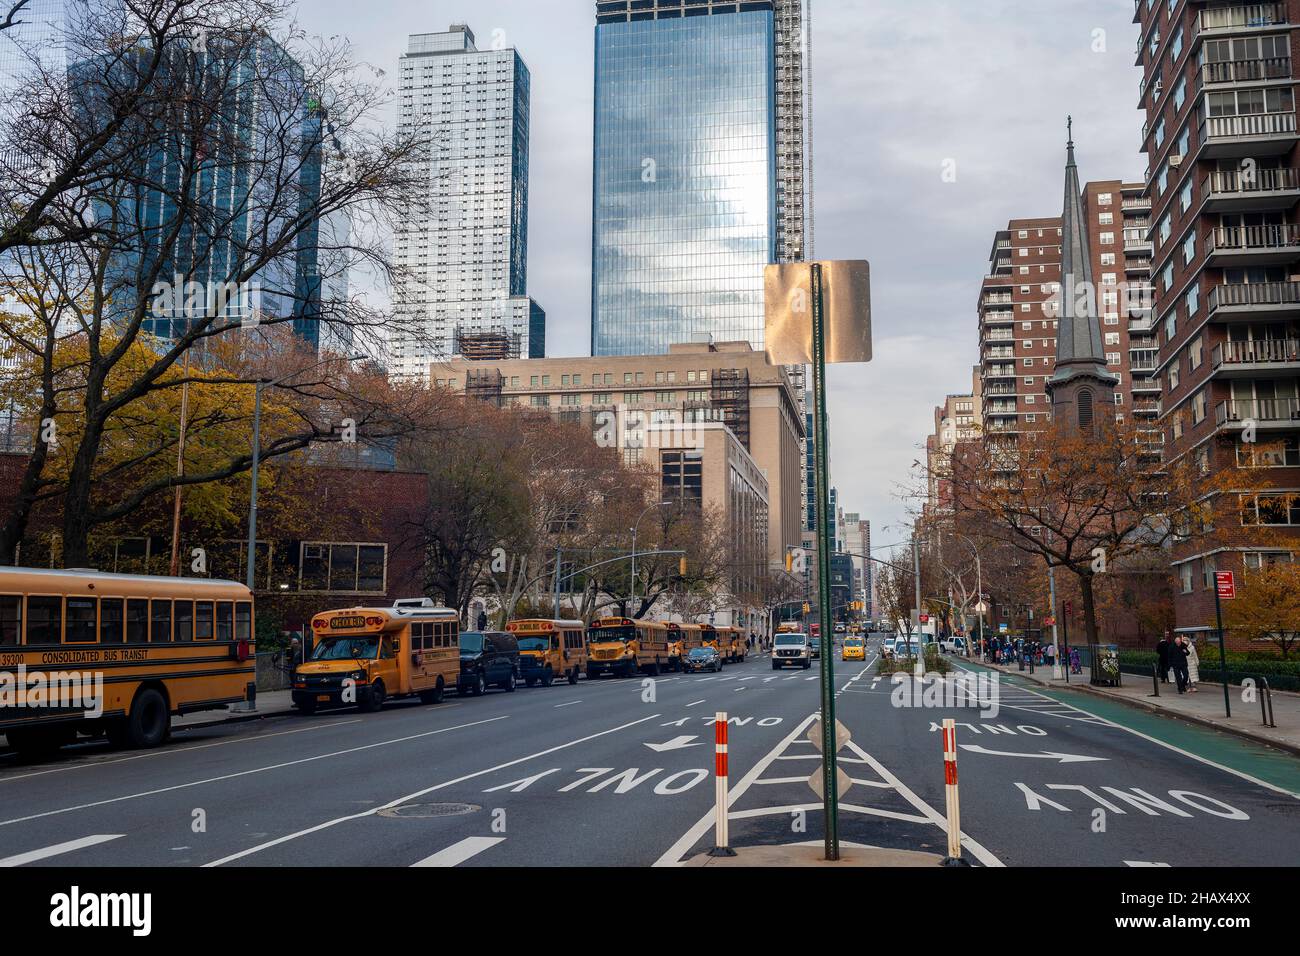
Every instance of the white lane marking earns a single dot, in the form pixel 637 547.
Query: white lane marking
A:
pixel 673 855
pixel 938 819
pixel 458 853
pixel 814 677
pixel 569 704
pixel 693 704
pixel 244 773
pixel 1143 863
pixel 1178 750
pixel 420 793
pixel 173 751
pixel 31 856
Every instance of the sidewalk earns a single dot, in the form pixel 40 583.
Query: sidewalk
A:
pixel 271 703
pixel 1204 707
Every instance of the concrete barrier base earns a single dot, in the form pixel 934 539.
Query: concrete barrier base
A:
pixel 812 854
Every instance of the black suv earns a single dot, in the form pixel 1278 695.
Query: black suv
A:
pixel 487 659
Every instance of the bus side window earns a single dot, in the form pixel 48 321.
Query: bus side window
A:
pixel 427 637
pixel 225 620
pixel 203 620
pixel 184 621
pixel 44 620
pixel 243 621
pixel 81 620
pixel 160 622
pixel 111 620
pixel 137 620
pixel 11 619
pixel 387 649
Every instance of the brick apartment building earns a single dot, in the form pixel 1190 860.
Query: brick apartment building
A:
pixel 1017 308
pixel 1221 144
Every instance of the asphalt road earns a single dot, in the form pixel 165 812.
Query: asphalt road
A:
pixel 619 772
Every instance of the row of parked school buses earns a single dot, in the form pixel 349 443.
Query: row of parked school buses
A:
pixel 86 653
pixel 365 656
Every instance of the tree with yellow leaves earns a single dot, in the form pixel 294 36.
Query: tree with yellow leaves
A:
pixel 1267 607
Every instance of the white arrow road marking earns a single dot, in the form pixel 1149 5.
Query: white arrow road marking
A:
pixel 33 855
pixel 458 853
pixel 1063 758
pixel 677 743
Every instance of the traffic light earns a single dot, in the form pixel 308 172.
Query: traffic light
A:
pixel 807 608
pixel 789 560
pixel 681 566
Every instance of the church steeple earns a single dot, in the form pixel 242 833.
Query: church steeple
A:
pixel 1081 382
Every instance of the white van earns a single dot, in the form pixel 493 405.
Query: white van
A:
pixel 791 649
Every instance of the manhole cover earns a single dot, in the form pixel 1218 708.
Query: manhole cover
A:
pixel 422 810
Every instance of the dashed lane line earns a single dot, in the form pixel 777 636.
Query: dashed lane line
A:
pixel 458 853
pixel 31 856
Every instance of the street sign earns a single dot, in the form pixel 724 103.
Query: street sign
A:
pixel 1002 627
pixel 842 782
pixel 925 619
pixel 788 302
pixel 1226 582
pixel 1049 622
pixel 1069 608
pixel 842 736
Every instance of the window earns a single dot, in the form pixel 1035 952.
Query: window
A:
pixel 1185 577
pixel 1108 238
pixel 203 614
pixel 11 619
pixel 1180 94
pixel 160 622
pixel 82 622
pixel 1268 510
pixel 184 621
pixel 1198 407
pixel 44 620
pixel 1189 250
pixel 1192 300
pixel 137 621
pixel 225 620
pixel 243 621
pixel 344 567
pixel 1166 227
pixel 1196 352
pixel 1106 219
pixel 1185 196
pixel 1104 199
pixel 112 620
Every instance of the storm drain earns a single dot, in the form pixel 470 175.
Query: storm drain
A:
pixel 409 811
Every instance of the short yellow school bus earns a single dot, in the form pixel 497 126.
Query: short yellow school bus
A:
pixel 623 646
pixel 118 654
pixel 550 649
pixel 789 627
pixel 733 644
pixel 681 639
pixel 365 655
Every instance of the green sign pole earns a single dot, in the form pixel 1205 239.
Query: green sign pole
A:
pixel 1223 653
pixel 830 795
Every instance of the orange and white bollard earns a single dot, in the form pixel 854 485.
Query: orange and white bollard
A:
pixel 950 794
pixel 721 838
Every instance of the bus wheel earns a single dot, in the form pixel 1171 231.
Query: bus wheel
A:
pixel 433 696
pixel 148 724
pixel 573 675
pixel 548 676
pixel 373 699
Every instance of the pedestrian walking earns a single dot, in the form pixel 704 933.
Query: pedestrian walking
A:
pixel 1193 666
pixel 1076 666
pixel 1178 656
pixel 1162 657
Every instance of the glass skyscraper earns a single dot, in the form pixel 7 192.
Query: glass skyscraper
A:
pixel 685 191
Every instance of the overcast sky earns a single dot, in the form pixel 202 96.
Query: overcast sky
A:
pixel 900 90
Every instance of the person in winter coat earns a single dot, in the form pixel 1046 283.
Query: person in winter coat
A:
pixel 1193 666
pixel 1162 658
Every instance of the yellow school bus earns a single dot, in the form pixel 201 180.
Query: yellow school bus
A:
pixel 548 649
pixel 710 637
pixel 365 655
pixel 681 638
pixel 117 654
pixel 625 647
pixel 733 644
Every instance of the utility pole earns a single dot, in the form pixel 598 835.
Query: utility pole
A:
pixel 919 669
pixel 1056 644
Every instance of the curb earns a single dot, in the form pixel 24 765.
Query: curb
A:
pixel 238 718
pixel 1206 722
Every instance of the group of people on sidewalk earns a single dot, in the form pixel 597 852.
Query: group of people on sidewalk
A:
pixel 1004 650
pixel 1179 657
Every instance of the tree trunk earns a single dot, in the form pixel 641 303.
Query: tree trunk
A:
pixel 1089 608
pixel 20 512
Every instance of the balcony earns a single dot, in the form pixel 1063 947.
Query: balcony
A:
pixel 1262 412
pixel 1146 385
pixel 999 352
pixel 1138 244
pixel 1251 134
pixel 1243 71
pixel 1000 390
pixel 999 316
pixel 1270 244
pixel 1146 406
pixel 1250 190
pixel 997 298
pixel 1001 409
pixel 1244 17
pixel 1001 335
pixel 1255 300
pixel 1139 205
pixel 1140 264
pixel 1001 371
pixel 1260 357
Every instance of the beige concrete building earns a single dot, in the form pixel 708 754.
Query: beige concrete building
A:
pixel 647 405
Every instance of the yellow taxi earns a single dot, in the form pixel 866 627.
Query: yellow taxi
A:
pixel 854 649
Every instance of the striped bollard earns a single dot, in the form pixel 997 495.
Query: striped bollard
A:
pixel 950 794
pixel 721 839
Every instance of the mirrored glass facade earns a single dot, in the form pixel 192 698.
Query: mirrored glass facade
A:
pixel 684 205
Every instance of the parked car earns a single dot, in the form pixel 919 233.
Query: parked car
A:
pixel 487 659
pixel 793 650
pixel 702 659
pixel 887 646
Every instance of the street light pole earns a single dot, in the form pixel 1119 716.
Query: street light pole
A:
pixel 1056 644
pixel 636 524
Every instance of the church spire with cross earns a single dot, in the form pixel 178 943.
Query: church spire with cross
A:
pixel 1081 388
